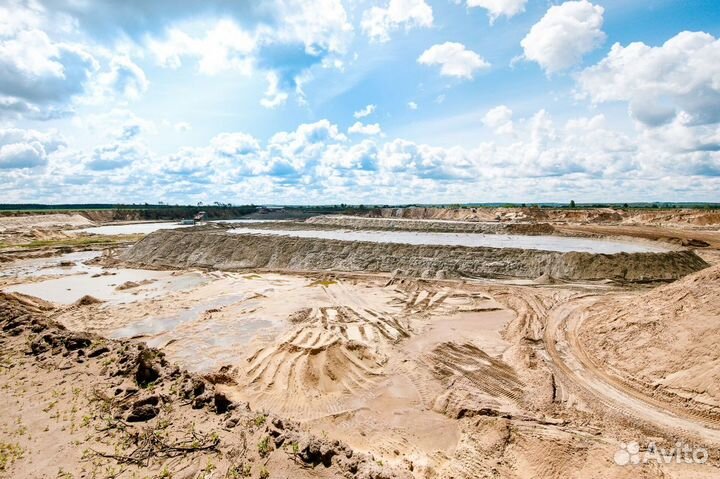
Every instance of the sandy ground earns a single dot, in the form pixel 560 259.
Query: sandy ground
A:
pixel 423 378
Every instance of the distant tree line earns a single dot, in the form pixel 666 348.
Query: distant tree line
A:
pixel 142 211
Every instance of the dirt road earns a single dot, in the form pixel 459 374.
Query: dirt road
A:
pixel 570 362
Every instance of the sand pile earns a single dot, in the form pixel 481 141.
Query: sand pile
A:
pixel 129 410
pixel 664 342
pixel 28 223
pixel 363 223
pixel 223 251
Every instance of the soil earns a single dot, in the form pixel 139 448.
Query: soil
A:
pixel 282 358
pixel 673 217
pixel 216 249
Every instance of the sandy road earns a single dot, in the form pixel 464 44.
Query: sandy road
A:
pixel 570 361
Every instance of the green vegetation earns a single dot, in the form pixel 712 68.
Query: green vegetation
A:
pixel 260 420
pixel 74 242
pixel 264 447
pixel 137 211
pixel 9 453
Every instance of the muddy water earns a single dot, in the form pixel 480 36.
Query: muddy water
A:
pixel 147 228
pixel 77 278
pixel 130 229
pixel 545 243
pixel 200 337
pixel 71 263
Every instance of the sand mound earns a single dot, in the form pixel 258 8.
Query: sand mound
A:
pixel 664 342
pixel 141 415
pixel 476 384
pixel 427 225
pixel 224 251
pixel 87 300
pixel 331 354
pixel 28 223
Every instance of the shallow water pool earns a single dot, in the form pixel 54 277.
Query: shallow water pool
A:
pixel 546 243
pixel 147 228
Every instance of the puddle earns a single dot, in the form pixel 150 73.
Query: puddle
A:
pixel 147 228
pixel 52 266
pixel 154 326
pixel 202 342
pixel 135 228
pixel 79 279
pixel 217 343
pixel 546 243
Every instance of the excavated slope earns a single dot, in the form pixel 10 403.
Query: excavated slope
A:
pixel 359 222
pixel 664 342
pixel 675 217
pixel 210 248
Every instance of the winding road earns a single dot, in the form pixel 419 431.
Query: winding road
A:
pixel 570 361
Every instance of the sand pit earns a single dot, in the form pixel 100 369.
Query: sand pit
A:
pixel 678 323
pixel 218 249
pixel 298 355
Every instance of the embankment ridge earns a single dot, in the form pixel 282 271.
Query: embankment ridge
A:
pixel 217 249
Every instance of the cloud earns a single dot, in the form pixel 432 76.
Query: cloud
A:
pixel 677 80
pixel 362 156
pixel 362 129
pixel 564 35
pixel 22 155
pixel 221 47
pixel 273 96
pixel 38 75
pixel 115 156
pixel 378 22
pixel 299 36
pixel 497 8
pixel 284 37
pixel 454 60
pixel 21 149
pixel 412 105
pixel 500 120
pixel 124 78
pixel 182 126
pixel 367 111
pixel 320 25
pixel 44 76
pixel 316 163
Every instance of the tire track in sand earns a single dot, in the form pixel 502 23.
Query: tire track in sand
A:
pixel 570 361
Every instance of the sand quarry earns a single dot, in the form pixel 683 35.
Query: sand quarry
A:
pixel 408 343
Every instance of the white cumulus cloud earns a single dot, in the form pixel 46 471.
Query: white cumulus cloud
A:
pixel 378 22
pixel 274 97
pixel 564 35
pixel 500 120
pixel 363 112
pixel 497 8
pixel 365 129
pixel 454 59
pixel 27 148
pixel 679 79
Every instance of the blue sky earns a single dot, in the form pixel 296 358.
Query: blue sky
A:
pixel 385 101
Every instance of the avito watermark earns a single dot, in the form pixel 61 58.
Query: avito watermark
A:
pixel 632 454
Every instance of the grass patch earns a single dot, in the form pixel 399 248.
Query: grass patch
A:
pixel 323 282
pixel 264 447
pixel 9 453
pixel 75 242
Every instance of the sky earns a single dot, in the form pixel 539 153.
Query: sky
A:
pixel 359 102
